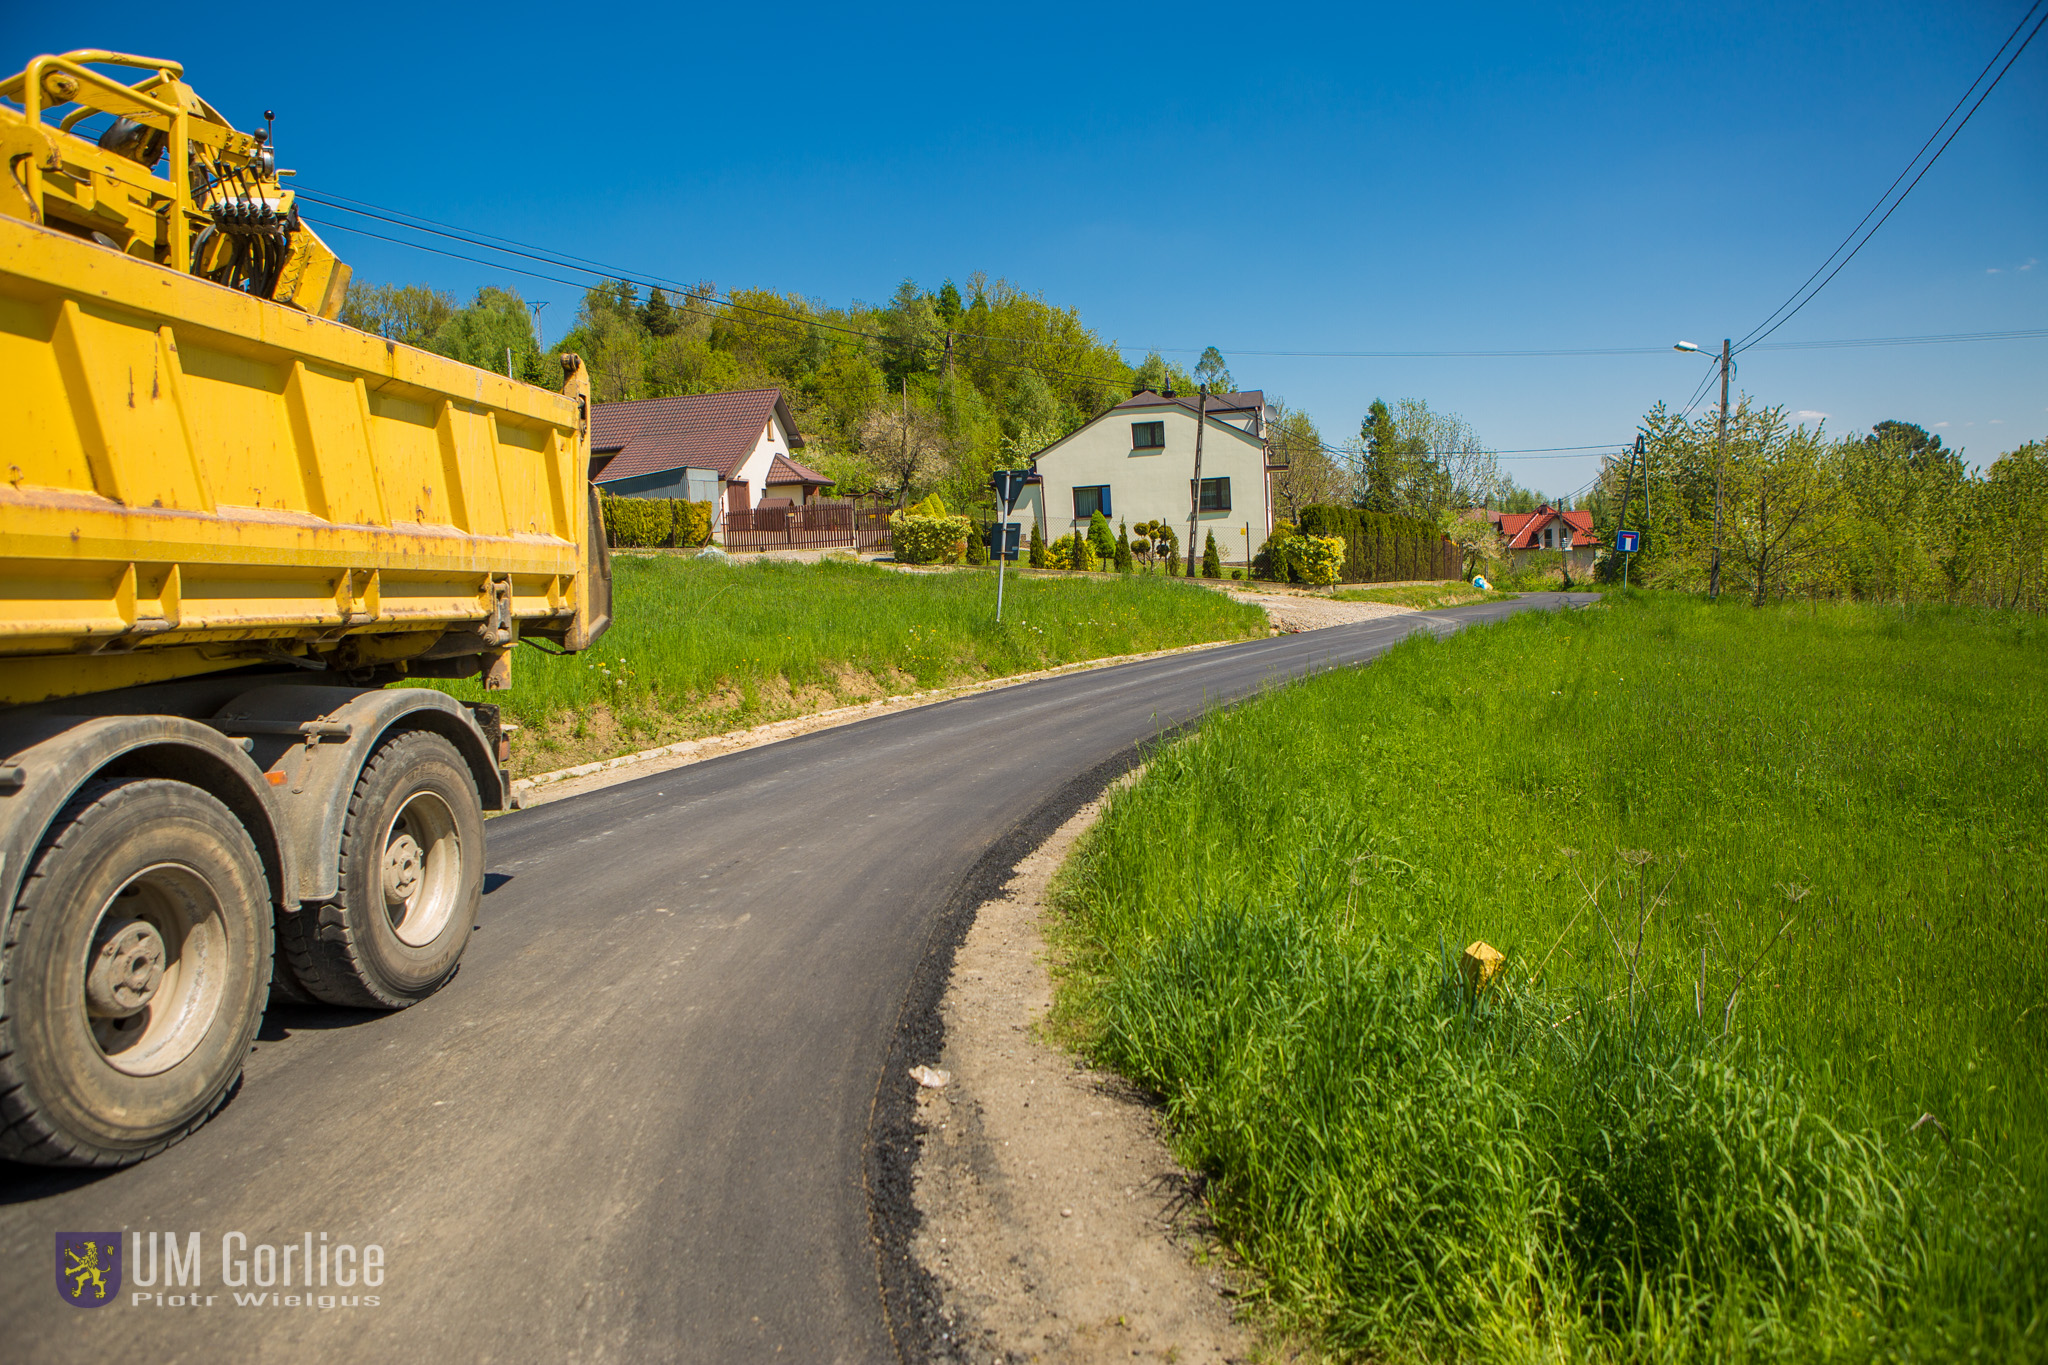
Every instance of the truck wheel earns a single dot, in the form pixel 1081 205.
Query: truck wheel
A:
pixel 137 964
pixel 412 873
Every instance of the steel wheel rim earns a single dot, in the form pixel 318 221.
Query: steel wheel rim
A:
pixel 186 912
pixel 421 869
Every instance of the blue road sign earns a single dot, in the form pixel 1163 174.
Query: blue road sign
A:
pixel 1627 541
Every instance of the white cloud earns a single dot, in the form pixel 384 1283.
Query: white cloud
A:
pixel 2032 261
pixel 1939 425
pixel 1997 422
pixel 1994 270
pixel 1809 415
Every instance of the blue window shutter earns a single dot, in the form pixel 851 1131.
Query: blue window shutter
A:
pixel 1105 502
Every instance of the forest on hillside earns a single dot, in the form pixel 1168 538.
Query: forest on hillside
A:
pixel 932 390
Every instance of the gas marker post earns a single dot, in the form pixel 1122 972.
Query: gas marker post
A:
pixel 1008 483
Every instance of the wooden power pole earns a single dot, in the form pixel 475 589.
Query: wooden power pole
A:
pixel 1195 497
pixel 1720 461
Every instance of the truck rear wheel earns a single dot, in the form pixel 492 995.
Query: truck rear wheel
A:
pixel 137 965
pixel 412 871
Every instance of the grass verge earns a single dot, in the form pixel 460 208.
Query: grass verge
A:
pixel 699 647
pixel 1422 596
pixel 1769 884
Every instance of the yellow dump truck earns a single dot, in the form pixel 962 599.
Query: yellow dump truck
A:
pixel 228 523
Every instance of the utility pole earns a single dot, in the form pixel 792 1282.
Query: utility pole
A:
pixel 1628 488
pixel 903 493
pixel 1720 461
pixel 1195 501
pixel 508 362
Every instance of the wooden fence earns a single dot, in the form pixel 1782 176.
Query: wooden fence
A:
pixel 821 525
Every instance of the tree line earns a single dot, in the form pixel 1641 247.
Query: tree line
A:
pixel 1893 515
pixel 931 391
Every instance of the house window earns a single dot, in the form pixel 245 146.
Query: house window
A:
pixel 1215 495
pixel 1089 501
pixel 1148 435
pixel 1549 537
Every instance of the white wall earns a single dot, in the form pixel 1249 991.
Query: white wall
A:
pixel 1152 485
pixel 773 441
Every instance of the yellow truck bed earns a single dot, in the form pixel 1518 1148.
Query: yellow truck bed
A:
pixel 195 479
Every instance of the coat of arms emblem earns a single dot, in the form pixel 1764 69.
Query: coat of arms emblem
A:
pixel 88 1268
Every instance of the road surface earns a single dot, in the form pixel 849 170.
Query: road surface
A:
pixel 661 1112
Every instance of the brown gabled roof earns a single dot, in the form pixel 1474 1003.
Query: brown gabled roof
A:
pixel 712 431
pixel 782 469
pixel 1218 402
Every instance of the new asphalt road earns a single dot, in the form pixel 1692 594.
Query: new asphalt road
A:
pixel 661 1112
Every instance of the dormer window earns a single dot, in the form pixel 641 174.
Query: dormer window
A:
pixel 1549 537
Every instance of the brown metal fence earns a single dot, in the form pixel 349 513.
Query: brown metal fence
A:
pixel 823 525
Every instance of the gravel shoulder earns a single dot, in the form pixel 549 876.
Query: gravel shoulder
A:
pixel 1053 1220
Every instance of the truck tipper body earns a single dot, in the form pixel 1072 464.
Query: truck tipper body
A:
pixel 228 524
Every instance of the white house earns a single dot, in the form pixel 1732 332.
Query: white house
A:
pixel 730 449
pixel 1136 462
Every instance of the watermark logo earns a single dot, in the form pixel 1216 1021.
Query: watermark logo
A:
pixel 88 1268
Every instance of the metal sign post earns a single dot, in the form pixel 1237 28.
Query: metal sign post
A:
pixel 1008 483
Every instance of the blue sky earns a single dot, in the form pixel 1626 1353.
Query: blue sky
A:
pixel 1256 178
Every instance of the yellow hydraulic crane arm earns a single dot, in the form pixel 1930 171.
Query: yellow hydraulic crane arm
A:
pixel 220 208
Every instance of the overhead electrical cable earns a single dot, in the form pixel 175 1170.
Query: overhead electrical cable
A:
pixel 1804 295
pixel 608 272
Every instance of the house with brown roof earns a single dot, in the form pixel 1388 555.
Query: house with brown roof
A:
pixel 1136 462
pixel 730 449
pixel 1546 529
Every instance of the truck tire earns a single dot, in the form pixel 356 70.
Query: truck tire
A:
pixel 412 873
pixel 137 962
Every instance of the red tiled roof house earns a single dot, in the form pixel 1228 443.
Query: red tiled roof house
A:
pixel 1545 530
pixel 731 449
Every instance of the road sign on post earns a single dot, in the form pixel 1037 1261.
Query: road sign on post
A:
pixel 1009 486
pixel 1627 541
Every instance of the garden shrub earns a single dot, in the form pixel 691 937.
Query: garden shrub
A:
pixel 642 523
pixel 919 538
pixel 1040 557
pixel 1212 563
pixel 1101 541
pixel 1382 548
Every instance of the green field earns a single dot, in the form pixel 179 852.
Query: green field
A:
pixel 1770 885
pixel 697 647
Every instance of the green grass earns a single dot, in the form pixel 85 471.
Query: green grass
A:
pixel 1422 596
pixel 697 647
pixel 1770 886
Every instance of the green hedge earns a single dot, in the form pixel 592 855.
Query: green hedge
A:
pixel 1379 548
pixel 648 522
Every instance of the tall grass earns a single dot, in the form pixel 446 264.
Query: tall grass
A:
pixel 1771 889
pixel 696 645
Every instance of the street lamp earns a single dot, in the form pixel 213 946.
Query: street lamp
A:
pixel 1720 458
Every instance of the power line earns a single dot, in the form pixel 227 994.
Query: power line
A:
pixel 1785 311
pixel 607 272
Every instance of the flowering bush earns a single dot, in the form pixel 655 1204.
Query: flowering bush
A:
pixel 920 538
pixel 1321 559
